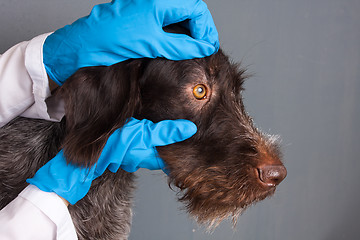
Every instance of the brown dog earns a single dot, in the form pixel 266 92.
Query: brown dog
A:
pixel 225 167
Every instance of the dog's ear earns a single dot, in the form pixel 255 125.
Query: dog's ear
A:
pixel 98 100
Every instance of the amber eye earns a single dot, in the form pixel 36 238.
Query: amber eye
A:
pixel 199 91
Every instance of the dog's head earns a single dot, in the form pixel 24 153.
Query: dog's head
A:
pixel 225 167
pixel 228 164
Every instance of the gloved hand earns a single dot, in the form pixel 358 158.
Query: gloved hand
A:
pixel 124 29
pixel 131 147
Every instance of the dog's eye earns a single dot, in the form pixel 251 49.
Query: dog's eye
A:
pixel 199 91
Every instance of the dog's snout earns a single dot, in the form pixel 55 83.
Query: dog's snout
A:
pixel 272 175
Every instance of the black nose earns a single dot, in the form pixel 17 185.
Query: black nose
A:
pixel 272 175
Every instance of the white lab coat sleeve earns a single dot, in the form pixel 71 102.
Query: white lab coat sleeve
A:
pixel 24 90
pixel 35 214
pixel 24 85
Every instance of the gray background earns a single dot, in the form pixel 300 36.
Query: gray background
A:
pixel 305 57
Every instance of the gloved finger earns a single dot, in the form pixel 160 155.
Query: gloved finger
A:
pixel 133 146
pixel 189 47
pixel 179 10
pixel 151 160
pixel 144 134
pixel 202 27
pixel 144 158
pixel 200 22
pixel 140 158
pixel 168 132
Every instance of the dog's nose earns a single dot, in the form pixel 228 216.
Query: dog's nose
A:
pixel 272 175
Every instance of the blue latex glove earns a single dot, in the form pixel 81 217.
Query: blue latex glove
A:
pixel 124 29
pixel 131 147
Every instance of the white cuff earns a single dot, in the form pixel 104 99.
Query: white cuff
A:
pixel 35 67
pixel 53 207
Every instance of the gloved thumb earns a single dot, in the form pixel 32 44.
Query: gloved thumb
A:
pixel 190 47
pixel 203 28
pixel 198 21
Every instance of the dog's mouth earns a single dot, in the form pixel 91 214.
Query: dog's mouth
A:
pixel 210 195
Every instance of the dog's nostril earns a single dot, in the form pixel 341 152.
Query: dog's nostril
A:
pixel 272 175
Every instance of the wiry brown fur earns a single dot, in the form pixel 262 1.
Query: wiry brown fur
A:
pixel 216 170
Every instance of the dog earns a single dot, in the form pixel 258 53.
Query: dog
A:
pixel 225 167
